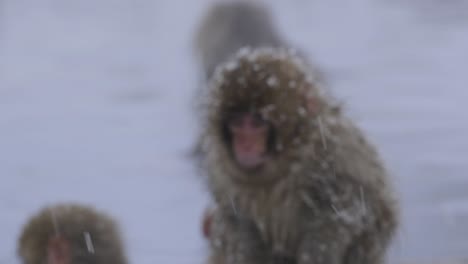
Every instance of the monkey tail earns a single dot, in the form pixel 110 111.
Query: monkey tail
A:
pixel 229 26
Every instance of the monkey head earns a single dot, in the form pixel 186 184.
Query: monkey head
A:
pixel 261 108
pixel 70 234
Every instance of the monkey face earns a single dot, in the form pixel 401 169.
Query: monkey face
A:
pixel 247 136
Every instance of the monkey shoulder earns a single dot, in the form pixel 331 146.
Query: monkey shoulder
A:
pixel 353 155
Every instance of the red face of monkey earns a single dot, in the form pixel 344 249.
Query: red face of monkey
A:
pixel 249 139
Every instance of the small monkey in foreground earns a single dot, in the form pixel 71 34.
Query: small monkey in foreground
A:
pixel 292 178
pixel 71 234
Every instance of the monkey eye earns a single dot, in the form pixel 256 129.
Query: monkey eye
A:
pixel 236 120
pixel 257 121
pixel 242 119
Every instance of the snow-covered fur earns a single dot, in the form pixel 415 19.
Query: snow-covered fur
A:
pixel 322 196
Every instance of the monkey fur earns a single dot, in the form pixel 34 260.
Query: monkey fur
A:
pixel 229 26
pixel 323 197
pixel 73 222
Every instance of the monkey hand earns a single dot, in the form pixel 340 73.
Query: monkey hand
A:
pixel 206 223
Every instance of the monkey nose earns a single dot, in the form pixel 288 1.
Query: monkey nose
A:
pixel 247 141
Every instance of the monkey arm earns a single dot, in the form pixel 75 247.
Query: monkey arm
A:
pixel 236 240
pixel 352 234
pixel 324 244
pixel 335 214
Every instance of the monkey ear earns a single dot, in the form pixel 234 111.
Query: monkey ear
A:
pixel 58 250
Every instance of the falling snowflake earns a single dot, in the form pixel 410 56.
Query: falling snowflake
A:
pixel 89 242
pixel 231 66
pixel 272 81
pixel 301 111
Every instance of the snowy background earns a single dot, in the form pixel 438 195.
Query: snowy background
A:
pixel 96 106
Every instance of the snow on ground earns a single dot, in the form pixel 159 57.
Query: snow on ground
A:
pixel 95 106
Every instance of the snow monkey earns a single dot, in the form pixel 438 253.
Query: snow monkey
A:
pixel 230 26
pixel 71 234
pixel 292 178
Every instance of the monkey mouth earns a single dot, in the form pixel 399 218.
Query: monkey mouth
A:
pixel 250 161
